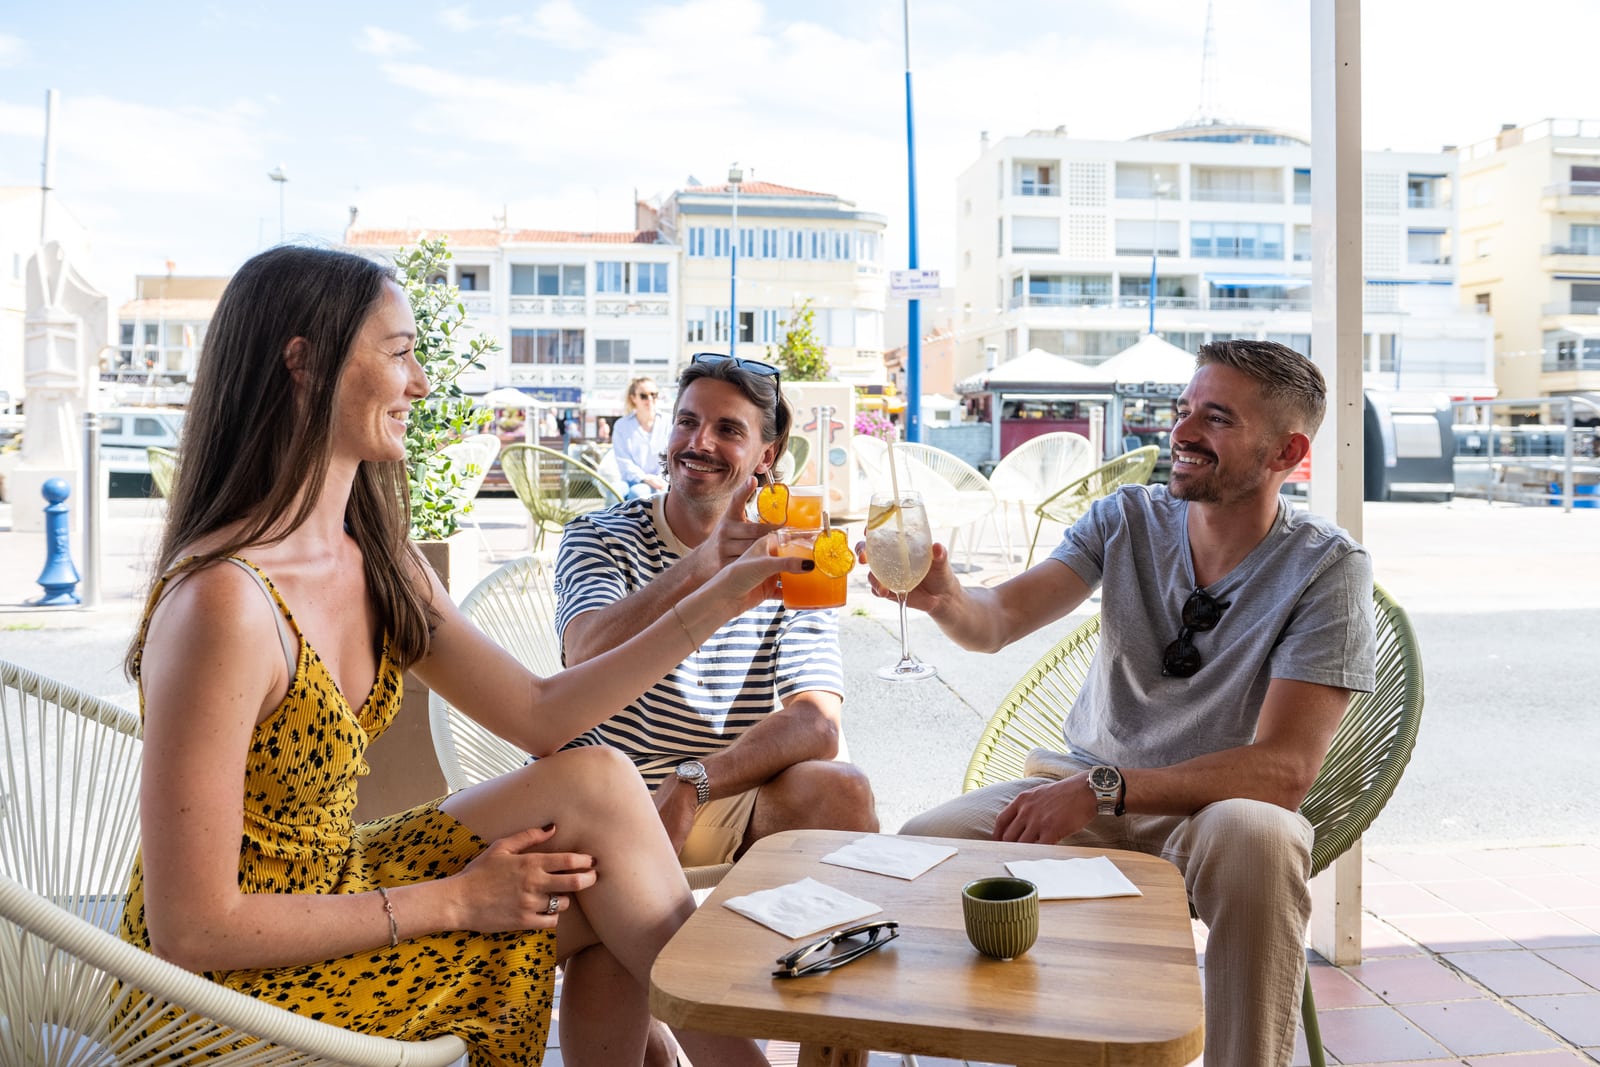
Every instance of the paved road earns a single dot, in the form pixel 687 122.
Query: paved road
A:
pixel 1506 602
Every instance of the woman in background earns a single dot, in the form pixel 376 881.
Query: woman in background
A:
pixel 639 438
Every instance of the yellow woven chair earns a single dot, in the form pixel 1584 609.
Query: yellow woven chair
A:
pixel 1368 754
pixel 74 994
pixel 1072 502
pixel 516 606
pixel 554 487
pixel 163 469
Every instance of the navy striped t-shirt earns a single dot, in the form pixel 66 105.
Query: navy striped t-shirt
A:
pixel 740 675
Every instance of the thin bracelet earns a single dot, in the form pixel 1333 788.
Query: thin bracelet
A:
pixel 693 644
pixel 388 909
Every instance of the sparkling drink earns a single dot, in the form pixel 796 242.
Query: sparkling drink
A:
pixel 900 556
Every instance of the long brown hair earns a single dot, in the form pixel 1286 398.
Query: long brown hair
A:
pixel 252 443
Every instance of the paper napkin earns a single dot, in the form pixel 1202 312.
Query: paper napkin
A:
pixel 897 857
pixel 1070 879
pixel 803 907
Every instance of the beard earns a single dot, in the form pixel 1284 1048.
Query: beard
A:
pixel 1218 485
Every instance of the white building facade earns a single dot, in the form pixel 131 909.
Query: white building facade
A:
pixel 794 246
pixel 577 315
pixel 1056 235
pixel 1530 227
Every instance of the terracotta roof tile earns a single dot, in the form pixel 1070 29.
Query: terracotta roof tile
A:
pixel 472 238
pixel 757 189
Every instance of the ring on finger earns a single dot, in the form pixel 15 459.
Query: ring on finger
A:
pixel 554 905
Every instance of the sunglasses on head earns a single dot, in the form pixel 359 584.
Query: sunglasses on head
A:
pixel 739 361
pixel 810 959
pixel 1201 612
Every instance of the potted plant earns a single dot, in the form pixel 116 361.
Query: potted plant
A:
pixel 406 771
pixel 447 414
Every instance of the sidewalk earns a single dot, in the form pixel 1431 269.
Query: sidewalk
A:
pixel 1482 879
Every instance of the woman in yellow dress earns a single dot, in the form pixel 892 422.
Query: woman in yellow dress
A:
pixel 286 606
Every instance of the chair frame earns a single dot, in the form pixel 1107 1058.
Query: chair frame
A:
pixel 546 515
pixel 68 832
pixel 1363 765
pixel 1016 477
pixel 515 605
pixel 1070 503
pixel 163 469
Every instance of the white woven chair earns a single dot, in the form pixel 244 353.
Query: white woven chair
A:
pixel 515 605
pixel 1035 470
pixel 470 460
pixel 73 993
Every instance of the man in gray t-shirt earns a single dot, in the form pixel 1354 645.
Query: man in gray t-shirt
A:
pixel 1233 630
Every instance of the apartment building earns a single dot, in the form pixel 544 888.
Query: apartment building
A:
pixel 1057 237
pixel 794 245
pixel 578 315
pixel 161 331
pixel 1530 253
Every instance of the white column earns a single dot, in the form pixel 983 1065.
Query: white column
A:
pixel 1336 290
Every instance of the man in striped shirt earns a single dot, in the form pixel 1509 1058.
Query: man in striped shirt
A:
pixel 744 738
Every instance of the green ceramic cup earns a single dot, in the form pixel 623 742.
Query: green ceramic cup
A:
pixel 1002 915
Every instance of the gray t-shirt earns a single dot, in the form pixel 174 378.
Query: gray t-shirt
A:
pixel 1300 607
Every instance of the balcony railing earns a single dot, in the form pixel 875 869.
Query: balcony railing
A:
pixel 1238 196
pixel 1027 188
pixel 1577 361
pixel 1570 250
pixel 1573 189
pixel 1036 249
pixel 1259 303
pixel 1573 307
pixel 477 303
pixel 529 305
pixel 1130 300
pixel 1061 300
pixel 1144 252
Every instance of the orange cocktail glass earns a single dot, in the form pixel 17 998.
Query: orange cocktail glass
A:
pixel 812 589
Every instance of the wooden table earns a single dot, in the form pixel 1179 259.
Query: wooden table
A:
pixel 1110 981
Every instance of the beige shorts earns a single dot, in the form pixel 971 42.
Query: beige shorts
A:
pixel 718 830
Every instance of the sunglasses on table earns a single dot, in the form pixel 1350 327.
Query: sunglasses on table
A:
pixel 1201 613
pixel 754 365
pixel 836 949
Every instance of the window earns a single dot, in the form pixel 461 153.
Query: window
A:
pixel 1483 247
pixel 1585 239
pixel 1236 240
pixel 467 280
pixel 1302 185
pixel 544 279
pixel 1427 190
pixel 1134 237
pixel 1483 302
pixel 650 277
pixel 697 241
pixel 1031 234
pixel 1036 179
pixel 611 351
pixel 547 346
pixel 1427 246
pixel 610 277
pixel 747 326
pixel 1302 243
pixel 695 325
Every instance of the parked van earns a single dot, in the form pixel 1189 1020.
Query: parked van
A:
pixel 125 435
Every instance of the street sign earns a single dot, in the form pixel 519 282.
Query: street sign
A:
pixel 904 284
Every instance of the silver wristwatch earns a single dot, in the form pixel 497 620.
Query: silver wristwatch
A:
pixel 693 772
pixel 1107 785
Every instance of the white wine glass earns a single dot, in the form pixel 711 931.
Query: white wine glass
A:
pixel 899 552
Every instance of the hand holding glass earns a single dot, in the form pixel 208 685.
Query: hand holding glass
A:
pixel 900 551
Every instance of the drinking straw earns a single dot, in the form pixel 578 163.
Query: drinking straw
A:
pixel 899 521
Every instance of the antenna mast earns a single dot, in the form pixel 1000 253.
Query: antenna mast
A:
pixel 1209 113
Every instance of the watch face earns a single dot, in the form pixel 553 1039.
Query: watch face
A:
pixel 691 770
pixel 1102 779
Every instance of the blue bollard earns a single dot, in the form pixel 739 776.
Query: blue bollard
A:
pixel 59 577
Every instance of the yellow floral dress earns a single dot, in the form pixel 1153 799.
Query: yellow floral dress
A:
pixel 492 990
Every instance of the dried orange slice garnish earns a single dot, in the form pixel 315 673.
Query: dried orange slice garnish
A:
pixel 877 516
pixel 832 553
pixel 772 503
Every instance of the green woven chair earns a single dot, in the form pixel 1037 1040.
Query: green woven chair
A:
pixel 1071 503
pixel 515 605
pixel 1369 752
pixel 163 469
pixel 554 487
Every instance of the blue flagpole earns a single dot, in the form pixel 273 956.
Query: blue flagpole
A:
pixel 913 306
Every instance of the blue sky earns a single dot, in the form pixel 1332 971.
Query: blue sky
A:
pixel 559 111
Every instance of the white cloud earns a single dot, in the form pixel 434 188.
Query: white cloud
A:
pixel 12 50
pixel 377 41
